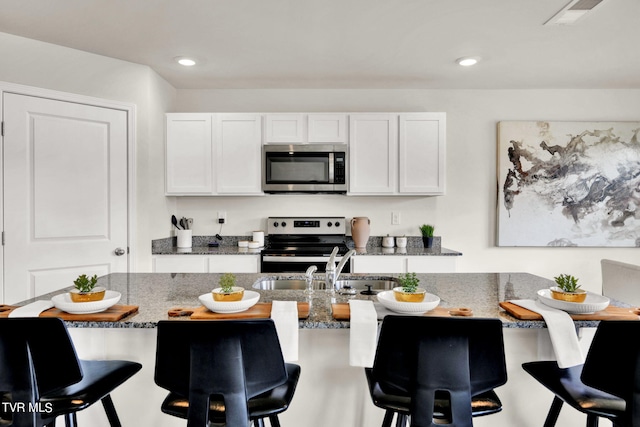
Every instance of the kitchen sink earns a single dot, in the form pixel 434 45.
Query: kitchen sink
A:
pixel 351 283
pixel 286 284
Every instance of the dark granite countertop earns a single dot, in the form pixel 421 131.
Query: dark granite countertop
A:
pixel 156 293
pixel 229 246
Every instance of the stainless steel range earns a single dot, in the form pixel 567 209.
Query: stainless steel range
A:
pixel 295 243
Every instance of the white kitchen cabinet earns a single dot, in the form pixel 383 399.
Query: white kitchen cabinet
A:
pixel 189 154
pixel 180 264
pixel 397 154
pixel 326 128
pixel 397 264
pixel 206 264
pixel 373 153
pixel 284 128
pixel 238 155
pixel 213 154
pixel 421 150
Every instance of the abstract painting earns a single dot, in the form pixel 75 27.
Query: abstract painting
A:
pixel 569 184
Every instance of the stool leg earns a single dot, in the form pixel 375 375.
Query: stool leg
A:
pixel 592 420
pixel 274 420
pixel 258 422
pixel 70 420
pixel 401 421
pixel 554 412
pixel 388 418
pixel 110 410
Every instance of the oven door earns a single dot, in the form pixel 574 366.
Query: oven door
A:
pixel 296 264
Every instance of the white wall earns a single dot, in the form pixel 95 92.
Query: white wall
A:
pixel 466 216
pixel 33 63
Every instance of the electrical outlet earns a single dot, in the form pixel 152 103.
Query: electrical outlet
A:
pixel 222 217
pixel 395 218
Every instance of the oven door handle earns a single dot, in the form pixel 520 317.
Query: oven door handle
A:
pixel 275 258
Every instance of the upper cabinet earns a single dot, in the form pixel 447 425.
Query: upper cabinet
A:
pixel 189 154
pixel 238 154
pixel 320 128
pixel 213 154
pixel 389 153
pixel 401 154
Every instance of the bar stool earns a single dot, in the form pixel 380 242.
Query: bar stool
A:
pixel 41 377
pixel 437 370
pixel 224 372
pixel 608 383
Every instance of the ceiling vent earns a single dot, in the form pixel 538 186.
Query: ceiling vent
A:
pixel 575 10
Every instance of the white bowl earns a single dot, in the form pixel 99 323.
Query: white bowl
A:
pixel 388 300
pixel 63 302
pixel 593 303
pixel 249 299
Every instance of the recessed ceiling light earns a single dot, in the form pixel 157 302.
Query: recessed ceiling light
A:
pixel 187 62
pixel 467 61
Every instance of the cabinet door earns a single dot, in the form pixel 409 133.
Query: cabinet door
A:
pixel 189 154
pixel 431 264
pixel 284 128
pixel 422 153
pixel 327 128
pixel 378 264
pixel 234 264
pixel 179 264
pixel 373 153
pixel 238 138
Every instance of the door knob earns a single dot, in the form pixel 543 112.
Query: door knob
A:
pixel 120 251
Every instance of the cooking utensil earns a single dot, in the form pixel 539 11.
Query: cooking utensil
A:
pixel 174 221
pixel 183 223
pixel 189 223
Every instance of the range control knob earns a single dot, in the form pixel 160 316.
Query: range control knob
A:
pixel 329 224
pixel 337 224
pixel 284 224
pixel 275 224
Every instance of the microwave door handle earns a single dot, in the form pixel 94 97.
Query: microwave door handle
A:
pixel 331 168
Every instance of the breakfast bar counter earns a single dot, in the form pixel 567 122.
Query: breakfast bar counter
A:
pixel 156 293
pixel 330 391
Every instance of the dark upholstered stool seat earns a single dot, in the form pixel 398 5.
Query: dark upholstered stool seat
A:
pixel 436 370
pixel 567 386
pixel 38 363
pixel 223 372
pixel 99 378
pixel 483 404
pixel 264 405
pixel 607 385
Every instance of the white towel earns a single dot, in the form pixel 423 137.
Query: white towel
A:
pixel 32 310
pixel 363 333
pixel 562 332
pixel 285 316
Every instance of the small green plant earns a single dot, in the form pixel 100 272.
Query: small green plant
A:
pixel 84 283
pixel 427 230
pixel 227 282
pixel 567 282
pixel 409 282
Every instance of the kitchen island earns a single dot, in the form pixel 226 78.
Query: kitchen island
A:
pixel 330 392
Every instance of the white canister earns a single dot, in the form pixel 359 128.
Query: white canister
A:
pixel 401 242
pixel 258 236
pixel 388 242
pixel 184 238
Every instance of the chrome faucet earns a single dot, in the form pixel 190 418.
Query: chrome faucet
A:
pixel 309 278
pixel 332 273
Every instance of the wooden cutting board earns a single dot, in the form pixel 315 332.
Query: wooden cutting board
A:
pixel 341 311
pixel 112 314
pixel 609 313
pixel 261 310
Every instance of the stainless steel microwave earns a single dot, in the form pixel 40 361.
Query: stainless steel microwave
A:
pixel 308 168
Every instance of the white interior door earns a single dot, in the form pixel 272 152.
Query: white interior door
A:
pixel 65 194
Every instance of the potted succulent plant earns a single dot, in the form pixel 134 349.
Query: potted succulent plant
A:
pixel 228 291
pixel 86 290
pixel 408 291
pixel 427 235
pixel 568 289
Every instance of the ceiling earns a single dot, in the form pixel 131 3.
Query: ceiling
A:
pixel 356 44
